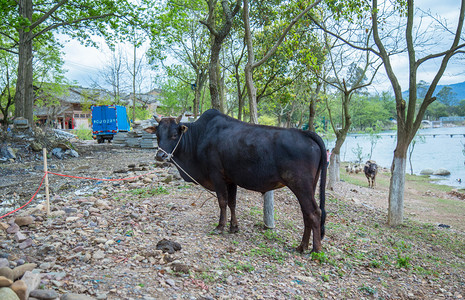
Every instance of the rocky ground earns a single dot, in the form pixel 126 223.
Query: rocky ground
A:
pixel 151 237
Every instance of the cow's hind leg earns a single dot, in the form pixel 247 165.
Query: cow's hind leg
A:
pixel 222 194
pixel 232 191
pixel 312 220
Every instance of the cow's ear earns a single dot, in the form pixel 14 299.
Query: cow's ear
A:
pixel 183 128
pixel 151 129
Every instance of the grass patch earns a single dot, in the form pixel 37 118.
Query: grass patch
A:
pixel 239 267
pixel 423 182
pixel 272 235
pixel 145 193
pixel 268 251
pixel 256 211
pixel 320 257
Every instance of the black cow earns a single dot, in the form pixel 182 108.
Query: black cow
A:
pixel 371 169
pixel 221 153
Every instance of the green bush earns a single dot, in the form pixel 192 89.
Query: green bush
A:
pixel 83 133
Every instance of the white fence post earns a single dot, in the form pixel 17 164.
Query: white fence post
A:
pixel 47 194
pixel 268 209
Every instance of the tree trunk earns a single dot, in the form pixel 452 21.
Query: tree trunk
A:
pixel 252 91
pixel 196 102
pixel 24 97
pixel 216 42
pixel 222 90
pixel 133 86
pixel 335 162
pixel 341 135
pixel 312 110
pixel 240 99
pixel 213 74
pixel 199 82
pixel 334 170
pixel 396 190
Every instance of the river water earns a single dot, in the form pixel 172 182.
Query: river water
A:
pixel 439 148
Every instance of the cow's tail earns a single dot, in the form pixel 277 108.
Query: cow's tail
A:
pixel 323 170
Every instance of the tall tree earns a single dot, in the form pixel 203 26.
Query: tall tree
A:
pixel 252 64
pixel 114 74
pixel 177 34
pixel 31 20
pixel 218 35
pixel 446 96
pixel 234 64
pixel 351 71
pixel 408 116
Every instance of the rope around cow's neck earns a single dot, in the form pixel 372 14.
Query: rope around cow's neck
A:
pixel 170 158
pixel 170 155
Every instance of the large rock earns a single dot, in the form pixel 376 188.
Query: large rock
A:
pixel 36 146
pixel 58 152
pixel 13 228
pixel 8 294
pixel 72 153
pixel 4 262
pixel 24 221
pixel 5 282
pixel 71 296
pixel 441 172
pixel 427 172
pixel 8 152
pixel 20 288
pixel 32 281
pixel 16 272
pixel 44 294
pixel 20 237
pixel 26 243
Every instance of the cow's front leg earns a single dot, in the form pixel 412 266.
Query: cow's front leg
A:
pixel 232 191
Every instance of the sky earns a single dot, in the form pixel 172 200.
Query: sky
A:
pixel 84 63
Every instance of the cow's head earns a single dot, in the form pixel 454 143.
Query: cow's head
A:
pixel 168 133
pixel 372 167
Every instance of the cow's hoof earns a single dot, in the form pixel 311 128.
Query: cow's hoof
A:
pixel 233 229
pixel 314 250
pixel 217 231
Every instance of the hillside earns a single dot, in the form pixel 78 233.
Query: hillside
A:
pixel 457 88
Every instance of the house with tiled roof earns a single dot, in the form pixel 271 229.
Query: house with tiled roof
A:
pixel 68 107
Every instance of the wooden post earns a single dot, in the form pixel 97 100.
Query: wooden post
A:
pixel 47 194
pixel 268 209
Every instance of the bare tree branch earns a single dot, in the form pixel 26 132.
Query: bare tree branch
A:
pixel 69 23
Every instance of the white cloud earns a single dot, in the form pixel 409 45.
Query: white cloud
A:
pixel 83 62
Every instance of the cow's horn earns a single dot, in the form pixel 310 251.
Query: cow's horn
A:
pixel 157 118
pixel 178 119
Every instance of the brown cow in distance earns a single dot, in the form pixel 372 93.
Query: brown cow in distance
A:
pixel 371 169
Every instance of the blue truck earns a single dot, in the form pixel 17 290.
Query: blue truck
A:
pixel 107 121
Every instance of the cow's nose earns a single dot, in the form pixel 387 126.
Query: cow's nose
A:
pixel 161 156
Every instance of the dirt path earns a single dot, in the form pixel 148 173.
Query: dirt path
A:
pixel 423 202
